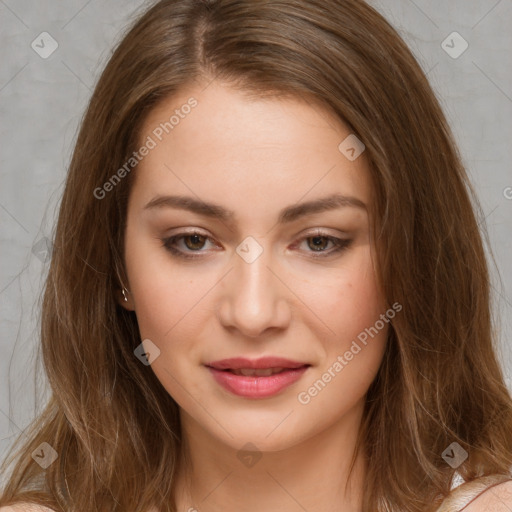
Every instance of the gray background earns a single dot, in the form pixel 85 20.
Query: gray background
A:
pixel 42 101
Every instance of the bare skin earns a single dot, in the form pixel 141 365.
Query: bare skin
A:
pixel 255 158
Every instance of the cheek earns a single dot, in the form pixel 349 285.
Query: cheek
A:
pixel 163 296
pixel 342 383
pixel 169 310
pixel 170 313
pixel 172 309
pixel 352 353
pixel 347 300
pixel 352 307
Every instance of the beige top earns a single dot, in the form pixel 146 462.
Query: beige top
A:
pixel 464 493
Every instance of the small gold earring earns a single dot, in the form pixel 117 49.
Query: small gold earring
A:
pixel 124 295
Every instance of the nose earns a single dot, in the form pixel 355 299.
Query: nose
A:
pixel 255 299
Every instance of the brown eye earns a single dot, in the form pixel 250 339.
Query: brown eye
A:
pixel 196 240
pixel 319 242
pixel 183 245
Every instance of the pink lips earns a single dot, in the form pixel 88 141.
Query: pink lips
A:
pixel 255 386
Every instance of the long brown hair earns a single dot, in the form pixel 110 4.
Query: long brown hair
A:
pixel 115 428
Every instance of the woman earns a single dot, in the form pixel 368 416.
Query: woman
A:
pixel 268 288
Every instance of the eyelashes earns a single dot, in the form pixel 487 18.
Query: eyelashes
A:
pixel 197 238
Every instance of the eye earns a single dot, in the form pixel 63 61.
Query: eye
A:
pixel 318 241
pixel 195 242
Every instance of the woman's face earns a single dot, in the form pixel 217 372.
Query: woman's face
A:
pixel 273 269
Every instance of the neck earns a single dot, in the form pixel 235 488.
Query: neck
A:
pixel 311 474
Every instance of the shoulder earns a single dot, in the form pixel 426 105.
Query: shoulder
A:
pixel 495 499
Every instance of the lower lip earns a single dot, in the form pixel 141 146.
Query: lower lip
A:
pixel 257 387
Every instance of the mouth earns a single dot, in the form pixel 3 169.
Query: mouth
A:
pixel 260 378
pixel 251 372
pixel 263 363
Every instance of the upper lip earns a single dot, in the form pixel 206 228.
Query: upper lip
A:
pixel 237 363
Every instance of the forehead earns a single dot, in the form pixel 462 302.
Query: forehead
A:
pixel 248 152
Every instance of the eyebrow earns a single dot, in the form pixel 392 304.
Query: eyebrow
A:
pixel 286 215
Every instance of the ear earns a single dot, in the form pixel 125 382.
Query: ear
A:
pixel 126 303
